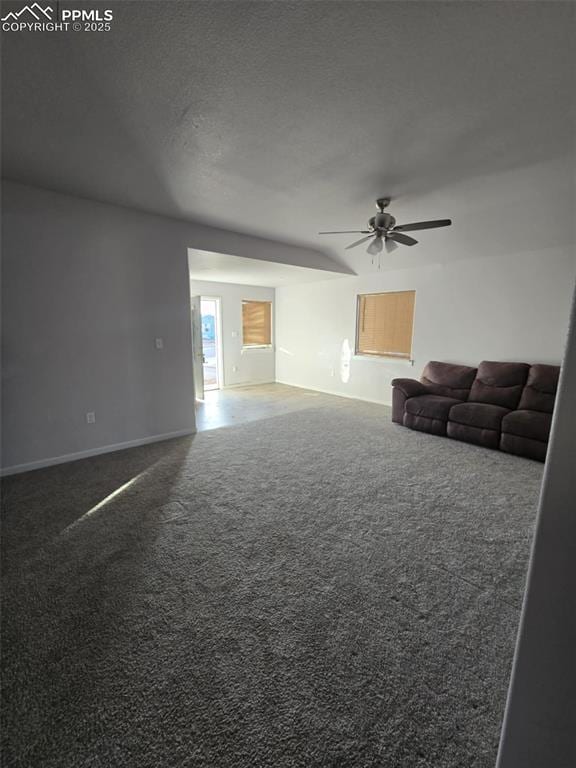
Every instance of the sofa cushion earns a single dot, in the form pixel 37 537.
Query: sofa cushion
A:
pixel 431 406
pixel 499 384
pixel 448 380
pixel 540 390
pixel 482 415
pixel 531 424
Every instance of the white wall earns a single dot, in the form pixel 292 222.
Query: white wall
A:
pixel 495 286
pixel 515 308
pixel 87 288
pixel 252 366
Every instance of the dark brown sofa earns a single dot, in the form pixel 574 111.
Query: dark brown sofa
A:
pixel 498 405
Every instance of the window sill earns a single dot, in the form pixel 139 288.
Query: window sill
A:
pixel 250 347
pixel 385 358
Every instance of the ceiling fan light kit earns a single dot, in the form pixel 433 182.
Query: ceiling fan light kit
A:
pixel 375 246
pixel 384 232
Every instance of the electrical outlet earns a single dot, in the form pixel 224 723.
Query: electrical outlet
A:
pixel 90 417
pixel 159 343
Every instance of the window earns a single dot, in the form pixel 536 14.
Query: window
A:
pixel 256 323
pixel 384 324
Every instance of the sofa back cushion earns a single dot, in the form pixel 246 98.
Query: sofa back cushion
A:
pixel 540 390
pixel 448 379
pixel 499 383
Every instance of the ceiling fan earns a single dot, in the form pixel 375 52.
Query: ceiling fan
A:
pixel 384 232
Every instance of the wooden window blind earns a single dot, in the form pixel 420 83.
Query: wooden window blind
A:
pixel 256 323
pixel 384 324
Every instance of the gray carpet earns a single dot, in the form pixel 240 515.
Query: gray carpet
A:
pixel 323 588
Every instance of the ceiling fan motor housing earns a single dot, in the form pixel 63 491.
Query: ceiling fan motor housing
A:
pixel 382 221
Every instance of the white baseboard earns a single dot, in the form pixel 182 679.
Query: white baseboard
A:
pixel 18 468
pixel 336 394
pixel 249 384
pixel 29 466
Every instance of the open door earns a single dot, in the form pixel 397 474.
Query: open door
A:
pixel 197 353
pixel 211 345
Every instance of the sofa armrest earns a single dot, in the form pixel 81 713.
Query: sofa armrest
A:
pixel 402 389
pixel 411 387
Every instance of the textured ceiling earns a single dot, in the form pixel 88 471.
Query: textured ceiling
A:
pixel 283 118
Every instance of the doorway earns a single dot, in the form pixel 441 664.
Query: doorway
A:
pixel 211 342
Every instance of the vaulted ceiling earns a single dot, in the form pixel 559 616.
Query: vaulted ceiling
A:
pixel 283 118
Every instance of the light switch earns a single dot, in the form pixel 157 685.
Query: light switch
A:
pixel 159 343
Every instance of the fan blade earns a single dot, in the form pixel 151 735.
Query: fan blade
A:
pixel 390 245
pixel 359 242
pixel 423 225
pixel 400 238
pixel 347 232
